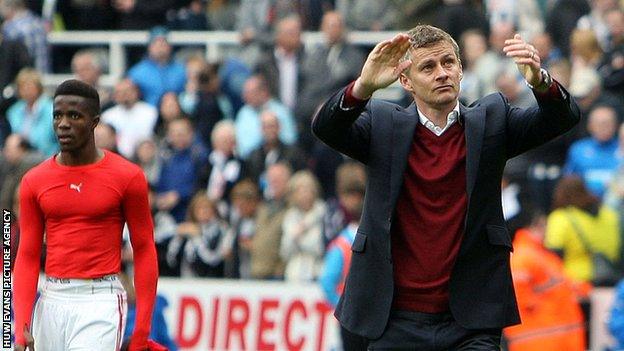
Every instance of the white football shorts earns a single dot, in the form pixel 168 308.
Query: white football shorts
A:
pixel 80 315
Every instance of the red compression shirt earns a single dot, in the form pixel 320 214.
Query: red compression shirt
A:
pixel 82 210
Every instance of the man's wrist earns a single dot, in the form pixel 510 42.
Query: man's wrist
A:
pixel 544 83
pixel 360 92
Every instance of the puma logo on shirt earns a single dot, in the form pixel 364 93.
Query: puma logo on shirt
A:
pixel 75 187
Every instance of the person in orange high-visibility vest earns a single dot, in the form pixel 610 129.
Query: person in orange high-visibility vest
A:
pixel 551 315
pixel 338 258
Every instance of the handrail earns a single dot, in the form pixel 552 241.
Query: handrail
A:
pixel 214 41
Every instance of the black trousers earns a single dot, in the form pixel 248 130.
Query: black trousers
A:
pixel 418 331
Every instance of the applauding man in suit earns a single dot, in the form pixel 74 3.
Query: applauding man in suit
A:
pixel 430 264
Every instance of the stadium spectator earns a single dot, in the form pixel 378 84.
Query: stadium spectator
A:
pixel 594 158
pixel 182 158
pixel 23 25
pixel 18 156
pixel 265 259
pixel 596 20
pixel 211 106
pixel 548 53
pixel 577 217
pixel 106 137
pixel 611 68
pixel 158 73
pixel 302 245
pixel 337 261
pixel 257 98
pixel 332 64
pixel 146 157
pixel 547 299
pixel 245 199
pixel 31 115
pixel 489 65
pixel 282 64
pixel 87 67
pixel 223 168
pixel 585 49
pixel 188 98
pixel 13 57
pixel 271 151
pixel 525 15
pixel 350 179
pixel 202 242
pixel 473 45
pixel 168 110
pixel 133 119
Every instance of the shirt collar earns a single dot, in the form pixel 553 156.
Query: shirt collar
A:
pixel 451 118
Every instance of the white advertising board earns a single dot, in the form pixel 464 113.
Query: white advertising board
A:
pixel 207 314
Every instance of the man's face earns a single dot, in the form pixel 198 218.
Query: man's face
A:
pixel 434 76
pixel 85 69
pixel 332 27
pixel 73 123
pixel 126 93
pixel 270 126
pixel 180 134
pixel 159 49
pixel 288 34
pixel 602 124
pixel 253 94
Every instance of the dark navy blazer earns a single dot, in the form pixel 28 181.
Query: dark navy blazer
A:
pixel 379 135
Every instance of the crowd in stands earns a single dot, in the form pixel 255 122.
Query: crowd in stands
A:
pixel 240 188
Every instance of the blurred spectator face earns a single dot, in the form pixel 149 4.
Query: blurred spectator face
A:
pixel 277 180
pixel 245 198
pixel 270 127
pixel 500 32
pixel 604 5
pixel 126 93
pixel 13 151
pixel 584 45
pixel 159 49
pixel 105 137
pixel 352 201
pixel 180 134
pixel 86 69
pixel 29 86
pixel 194 66
pixel 223 139
pixel 204 210
pixel 615 22
pixel 543 44
pixel 254 93
pixel 303 189
pixel 170 107
pixel 288 34
pixel 333 27
pixel 508 85
pixel 146 151
pixel 474 45
pixel 602 123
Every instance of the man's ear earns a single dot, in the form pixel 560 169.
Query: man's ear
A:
pixel 406 82
pixel 96 121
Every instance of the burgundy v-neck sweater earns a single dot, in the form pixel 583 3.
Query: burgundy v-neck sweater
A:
pixel 429 220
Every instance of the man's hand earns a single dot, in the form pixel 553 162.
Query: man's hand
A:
pixel 383 66
pixel 30 342
pixel 526 58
